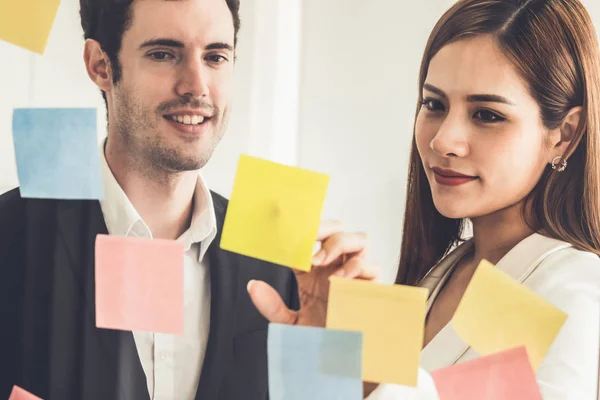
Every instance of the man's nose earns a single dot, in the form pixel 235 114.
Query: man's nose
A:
pixel 193 81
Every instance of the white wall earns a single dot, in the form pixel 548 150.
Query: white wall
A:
pixel 329 85
pixel 56 79
pixel 15 86
pixel 265 110
pixel 266 85
pixel 358 90
pixel 360 65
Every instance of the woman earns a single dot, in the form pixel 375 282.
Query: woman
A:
pixel 507 135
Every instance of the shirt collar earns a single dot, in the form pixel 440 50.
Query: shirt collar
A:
pixel 122 219
pixel 203 227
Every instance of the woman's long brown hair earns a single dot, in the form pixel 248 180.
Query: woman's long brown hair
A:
pixel 553 45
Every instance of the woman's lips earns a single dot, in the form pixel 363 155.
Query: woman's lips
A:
pixel 451 178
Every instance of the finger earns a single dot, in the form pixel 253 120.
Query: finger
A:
pixel 328 228
pixel 339 244
pixel 270 304
pixel 359 268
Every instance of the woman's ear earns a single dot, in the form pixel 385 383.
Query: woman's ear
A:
pixel 561 138
pixel 97 65
pixel 569 126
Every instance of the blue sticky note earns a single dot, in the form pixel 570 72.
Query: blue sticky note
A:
pixel 57 153
pixel 314 363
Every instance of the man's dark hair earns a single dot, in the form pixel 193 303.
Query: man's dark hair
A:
pixel 107 20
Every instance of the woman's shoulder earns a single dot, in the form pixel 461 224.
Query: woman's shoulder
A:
pixel 569 279
pixel 569 269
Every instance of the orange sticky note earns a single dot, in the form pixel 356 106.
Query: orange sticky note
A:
pixel 392 319
pixel 21 394
pixel 139 284
pixel 27 23
pixel 497 313
pixel 274 212
pixel 500 376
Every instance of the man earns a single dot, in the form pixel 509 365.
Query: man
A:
pixel 165 68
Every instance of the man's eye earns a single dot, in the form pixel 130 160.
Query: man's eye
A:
pixel 161 56
pixel 216 58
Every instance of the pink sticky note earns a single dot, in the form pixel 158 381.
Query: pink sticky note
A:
pixel 139 284
pixel 21 394
pixel 505 375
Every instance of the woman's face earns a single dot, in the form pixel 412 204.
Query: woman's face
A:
pixel 479 120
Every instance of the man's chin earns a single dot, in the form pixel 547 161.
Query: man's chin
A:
pixel 186 152
pixel 190 163
pixel 177 160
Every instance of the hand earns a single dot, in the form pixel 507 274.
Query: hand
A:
pixel 342 254
pixel 368 388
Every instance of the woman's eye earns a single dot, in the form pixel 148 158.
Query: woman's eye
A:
pixel 487 116
pixel 161 56
pixel 433 104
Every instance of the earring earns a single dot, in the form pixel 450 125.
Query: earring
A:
pixel 559 167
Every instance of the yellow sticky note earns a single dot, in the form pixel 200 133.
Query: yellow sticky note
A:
pixel 497 313
pixel 274 212
pixel 27 23
pixel 392 319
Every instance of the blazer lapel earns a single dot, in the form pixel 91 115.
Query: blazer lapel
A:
pixel 524 258
pixel 224 294
pixel 437 275
pixel 110 365
pixel 447 348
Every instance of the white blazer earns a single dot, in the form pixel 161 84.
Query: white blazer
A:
pixel 567 278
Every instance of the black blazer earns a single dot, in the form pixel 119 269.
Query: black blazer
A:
pixel 49 343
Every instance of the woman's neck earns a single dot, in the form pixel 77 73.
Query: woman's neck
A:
pixel 496 234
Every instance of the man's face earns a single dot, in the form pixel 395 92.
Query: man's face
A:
pixel 171 105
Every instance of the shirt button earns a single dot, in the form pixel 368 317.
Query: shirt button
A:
pixel 163 356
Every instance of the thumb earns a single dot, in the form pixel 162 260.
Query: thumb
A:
pixel 270 304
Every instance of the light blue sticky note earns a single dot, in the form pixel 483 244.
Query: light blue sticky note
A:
pixel 314 363
pixel 57 153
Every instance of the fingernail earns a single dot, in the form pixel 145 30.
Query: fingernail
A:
pixel 319 257
pixel 249 286
pixel 340 273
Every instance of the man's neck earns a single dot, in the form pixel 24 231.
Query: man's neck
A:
pixel 163 200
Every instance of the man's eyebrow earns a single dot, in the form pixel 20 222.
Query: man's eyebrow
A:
pixel 473 98
pixel 180 45
pixel 219 46
pixel 162 42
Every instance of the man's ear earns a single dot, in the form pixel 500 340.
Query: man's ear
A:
pixel 97 65
pixel 561 138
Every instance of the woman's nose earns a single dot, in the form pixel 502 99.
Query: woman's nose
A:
pixel 450 139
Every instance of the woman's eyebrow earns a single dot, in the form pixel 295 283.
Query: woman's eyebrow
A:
pixel 489 98
pixel 435 90
pixel 473 98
